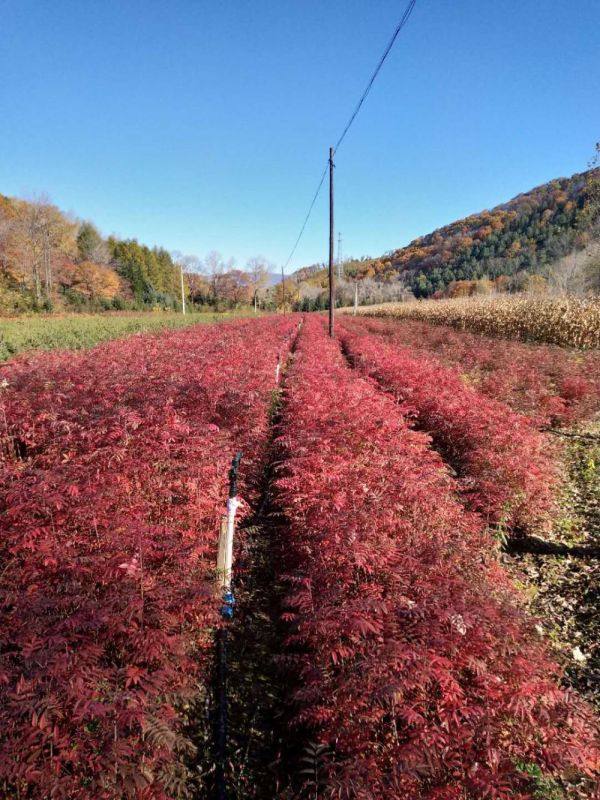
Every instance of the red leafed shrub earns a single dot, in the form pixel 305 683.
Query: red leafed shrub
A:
pixel 415 666
pixel 114 477
pixel 504 466
pixel 552 385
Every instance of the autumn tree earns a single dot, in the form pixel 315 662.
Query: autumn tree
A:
pixel 128 258
pixel 286 294
pixel 8 226
pixel 168 273
pixel 235 288
pixel 258 269
pixel 93 281
pixel 43 237
pixel 501 283
pixel 535 284
pixel 14 291
pixel 198 287
pixel 483 286
pixel 592 270
pixel 195 286
pixel 312 297
pixel 593 185
pixel 357 271
pixel 215 267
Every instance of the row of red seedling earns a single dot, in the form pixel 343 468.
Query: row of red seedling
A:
pixel 551 385
pixel 417 673
pixel 114 478
pixel 505 467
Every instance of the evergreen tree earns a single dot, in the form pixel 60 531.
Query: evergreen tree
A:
pixel 90 244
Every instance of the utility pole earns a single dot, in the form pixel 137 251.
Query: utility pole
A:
pixel 331 273
pixel 182 290
pixel 283 289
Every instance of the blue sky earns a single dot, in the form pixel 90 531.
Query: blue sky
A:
pixel 205 125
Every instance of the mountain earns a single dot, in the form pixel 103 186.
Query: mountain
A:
pixel 273 278
pixel 527 234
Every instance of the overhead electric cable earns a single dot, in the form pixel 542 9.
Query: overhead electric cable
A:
pixel 312 205
pixel 404 19
pixel 386 52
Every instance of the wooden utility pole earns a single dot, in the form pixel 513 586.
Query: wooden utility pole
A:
pixel 331 273
pixel 182 291
pixel 283 290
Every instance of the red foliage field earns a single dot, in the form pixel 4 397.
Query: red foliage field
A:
pixel 114 476
pixel 504 466
pixel 552 385
pixel 413 662
pixel 407 651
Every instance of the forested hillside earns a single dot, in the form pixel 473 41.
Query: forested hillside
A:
pixel 528 234
pixel 50 261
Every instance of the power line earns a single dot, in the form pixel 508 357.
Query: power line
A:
pixel 312 205
pixel 386 52
pixel 404 19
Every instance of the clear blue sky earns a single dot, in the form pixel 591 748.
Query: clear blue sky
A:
pixel 205 125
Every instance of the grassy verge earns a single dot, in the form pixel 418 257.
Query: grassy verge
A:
pixel 78 331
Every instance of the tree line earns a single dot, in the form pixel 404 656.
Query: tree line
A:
pixel 50 261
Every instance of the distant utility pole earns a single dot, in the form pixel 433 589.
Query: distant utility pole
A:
pixel 331 233
pixel 339 258
pixel 283 289
pixel 182 290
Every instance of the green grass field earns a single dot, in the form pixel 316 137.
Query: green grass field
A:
pixel 76 331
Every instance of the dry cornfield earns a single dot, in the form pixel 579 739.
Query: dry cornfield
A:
pixel 567 321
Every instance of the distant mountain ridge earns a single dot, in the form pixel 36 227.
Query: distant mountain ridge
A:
pixel 273 278
pixel 528 233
